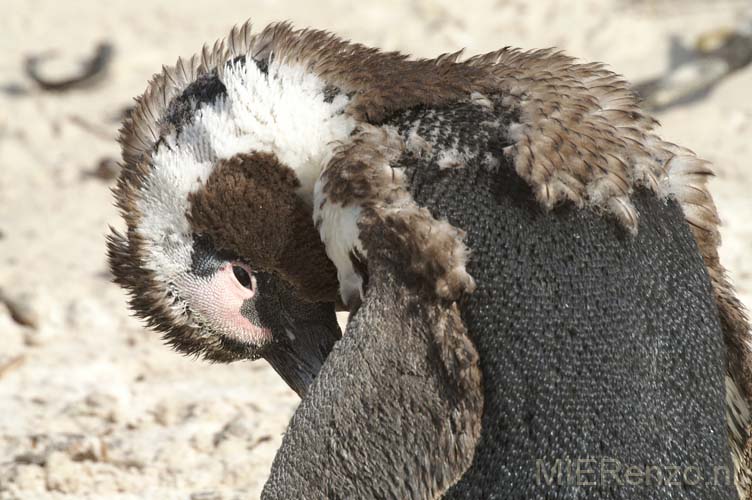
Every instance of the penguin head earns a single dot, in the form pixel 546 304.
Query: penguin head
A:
pixel 220 253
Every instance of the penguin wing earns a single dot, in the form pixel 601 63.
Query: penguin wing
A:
pixel 395 411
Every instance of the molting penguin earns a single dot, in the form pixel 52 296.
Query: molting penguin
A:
pixel 591 302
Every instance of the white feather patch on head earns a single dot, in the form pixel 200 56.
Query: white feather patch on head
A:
pixel 283 113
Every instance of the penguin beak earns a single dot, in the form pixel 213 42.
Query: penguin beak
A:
pixel 299 359
pixel 303 333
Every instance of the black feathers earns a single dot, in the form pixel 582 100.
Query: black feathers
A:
pixel 206 89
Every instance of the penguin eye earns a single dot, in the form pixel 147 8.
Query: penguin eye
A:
pixel 242 276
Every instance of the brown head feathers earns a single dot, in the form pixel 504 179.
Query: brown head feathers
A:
pixel 249 207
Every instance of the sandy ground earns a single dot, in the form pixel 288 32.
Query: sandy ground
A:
pixel 94 406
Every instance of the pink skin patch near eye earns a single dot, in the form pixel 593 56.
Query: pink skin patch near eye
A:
pixel 219 301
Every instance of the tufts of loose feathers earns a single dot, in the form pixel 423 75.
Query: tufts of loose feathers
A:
pixel 360 175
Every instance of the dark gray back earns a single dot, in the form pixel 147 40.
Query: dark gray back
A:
pixel 598 349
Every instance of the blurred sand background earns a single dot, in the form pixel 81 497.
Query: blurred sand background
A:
pixel 94 406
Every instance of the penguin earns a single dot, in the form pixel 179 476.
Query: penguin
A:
pixel 532 272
